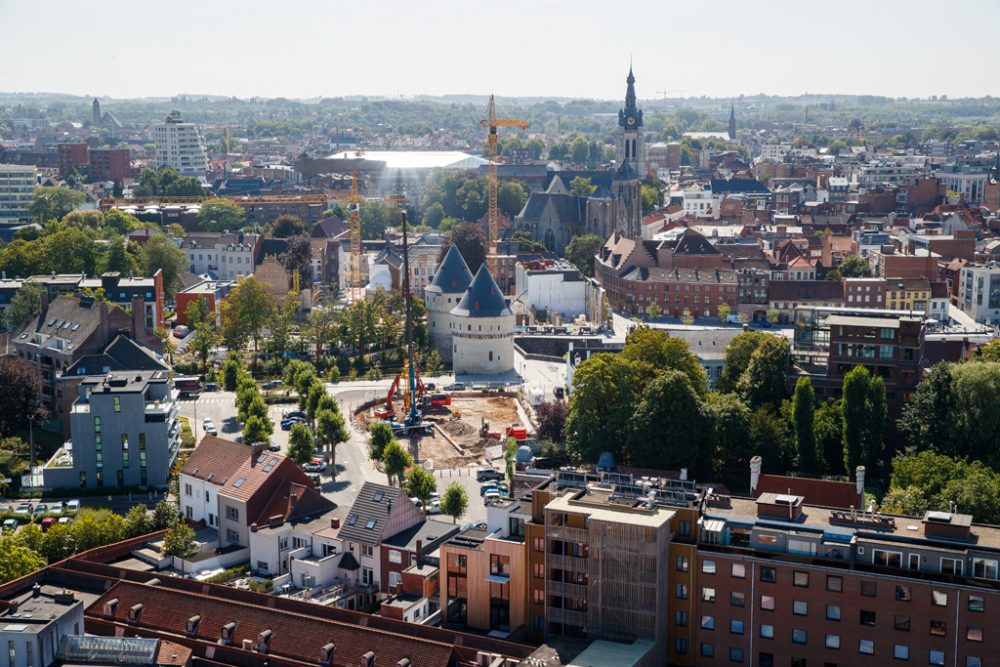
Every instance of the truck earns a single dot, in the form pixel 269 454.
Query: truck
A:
pixel 188 386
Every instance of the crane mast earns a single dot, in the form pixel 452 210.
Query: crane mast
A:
pixel 355 289
pixel 493 181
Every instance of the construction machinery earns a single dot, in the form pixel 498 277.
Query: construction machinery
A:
pixel 492 181
pixel 355 288
pixel 411 395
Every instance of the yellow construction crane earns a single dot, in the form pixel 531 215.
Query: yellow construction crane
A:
pixel 355 289
pixel 492 181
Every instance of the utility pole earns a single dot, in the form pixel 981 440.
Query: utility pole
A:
pixel 31 441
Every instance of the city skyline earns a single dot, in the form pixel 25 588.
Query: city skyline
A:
pixel 407 50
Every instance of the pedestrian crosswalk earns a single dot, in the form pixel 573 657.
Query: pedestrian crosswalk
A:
pixel 205 400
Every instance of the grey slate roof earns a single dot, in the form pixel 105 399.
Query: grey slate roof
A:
pixel 483 298
pixel 626 172
pixel 568 208
pixel 366 511
pixel 452 275
pixel 121 354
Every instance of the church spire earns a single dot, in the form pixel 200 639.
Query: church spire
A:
pixel 630 116
pixel 732 120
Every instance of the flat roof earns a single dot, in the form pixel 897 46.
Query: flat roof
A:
pixel 611 513
pixel 847 320
pixel 603 653
pixel 415 159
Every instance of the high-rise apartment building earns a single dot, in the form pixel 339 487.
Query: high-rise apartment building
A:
pixel 181 146
pixel 109 164
pixel 17 186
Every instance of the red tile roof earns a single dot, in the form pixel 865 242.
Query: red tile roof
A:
pixel 295 636
pixel 822 492
pixel 291 500
pixel 215 458
pixel 172 654
pixel 233 467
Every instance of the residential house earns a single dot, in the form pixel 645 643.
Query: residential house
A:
pixel 226 256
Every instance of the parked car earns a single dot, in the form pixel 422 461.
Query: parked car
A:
pixel 286 424
pixel 316 465
pixel 293 413
pixel 9 525
pixel 210 427
pixel 23 508
pixel 488 487
pixel 491 497
pixel 210 386
pixel 65 519
pixel 71 505
pixel 48 522
pixel 484 474
pixel 272 384
pixel 430 386
pixel 455 386
pixel 273 447
pixel 181 330
pixel 41 508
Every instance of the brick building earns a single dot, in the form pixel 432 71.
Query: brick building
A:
pixel 110 164
pixel 69 156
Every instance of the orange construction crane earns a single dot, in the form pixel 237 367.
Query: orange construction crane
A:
pixel 356 289
pixel 492 181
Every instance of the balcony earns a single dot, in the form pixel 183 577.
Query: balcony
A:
pixel 578 535
pixel 567 616
pixel 578 591
pixel 570 563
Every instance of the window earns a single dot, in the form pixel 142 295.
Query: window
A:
pixel 977 603
pixel 768 575
pixel 887 558
pixel 834 583
pixel 903 593
pixel 187 490
pixel 984 568
pixel 708 595
pixel 707 650
pixel 539 544
pixel 735 654
pixel 539 570
pixel 680 646
pixel 935 658
pixel 682 564
pixel 767 602
pixel 537 596
pixel 232 513
pixel 736 599
pixel 973 661
pixel 800 578
pixel 708 622
pixel 951 566
pixel 939 599
pixel 832 612
pixel 681 619
pixel 974 633
pixel 682 591
pixel 117 403
pixel 736 627
pixel 800 607
pixel 708 567
pixel 798 636
pixel 367 550
pixel 833 641
pixel 868 589
pixel 765 659
pixel 395 579
pixel 232 536
pixel 739 570
pixel 395 556
pixel 939 628
pixel 767 631
pixel 97 424
pixel 901 652
pixel 902 623
pixel 866 647
pixel 867 617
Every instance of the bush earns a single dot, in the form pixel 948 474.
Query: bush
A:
pixel 187 437
pixel 227 575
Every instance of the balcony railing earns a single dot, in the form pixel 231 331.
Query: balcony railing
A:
pixel 570 563
pixel 578 591
pixel 566 616
pixel 578 535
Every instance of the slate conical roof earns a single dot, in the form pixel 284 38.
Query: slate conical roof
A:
pixel 483 298
pixel 452 275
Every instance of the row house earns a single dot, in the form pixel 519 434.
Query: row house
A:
pixel 226 256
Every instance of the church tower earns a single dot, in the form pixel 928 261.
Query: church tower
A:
pixel 732 121
pixel 631 147
pixel 97 112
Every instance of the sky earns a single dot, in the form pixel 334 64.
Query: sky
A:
pixel 565 48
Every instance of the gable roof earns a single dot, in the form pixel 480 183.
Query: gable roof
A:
pixel 694 243
pixel 121 354
pixel 328 228
pixel 69 319
pixel 369 515
pixel 737 185
pixel 292 500
pixel 215 459
pixel 483 298
pixel 233 467
pixel 452 275
pixel 569 209
pixel 824 492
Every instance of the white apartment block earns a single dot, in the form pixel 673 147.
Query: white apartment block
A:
pixel 181 146
pixel 979 293
pixel 17 187
pixel 226 256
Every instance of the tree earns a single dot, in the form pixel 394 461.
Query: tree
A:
pixel 433 215
pixel 855 413
pixel 379 437
pixel 167 182
pixel 664 352
pixel 652 197
pixel 230 372
pixel 298 257
pixel 581 187
pixel 179 541
pixel 872 447
pixel 316 392
pixel 527 244
pixel 95 528
pixel 197 311
pixel 653 311
pixel 248 309
pixel 256 430
pixel 731 418
pixel 763 381
pixel 121 222
pixel 723 311
pixel 671 427
pixel 828 426
pixel 165 515
pixel 471 243
pixel 420 484
pixel 21 397
pixel 53 203
pixel 17 560
pixel 27 303
pixel 976 416
pixel 204 339
pixel 320 327
pixel 511 197
pixel 217 215
pixel 58 542
pixel 581 250
pixel 395 461
pixel 855 266
pixel 301 447
pixel 454 501
pixel 803 413
pixel 770 438
pixel 551 417
pixel 161 254
pixel 137 521
pixel 331 430
pixel 286 226
pixel 929 480
pixel 579 150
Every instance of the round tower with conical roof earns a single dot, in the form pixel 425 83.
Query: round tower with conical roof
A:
pixel 482 329
pixel 445 290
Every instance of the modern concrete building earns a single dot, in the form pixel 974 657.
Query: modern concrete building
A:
pixel 124 433
pixel 181 146
pixel 979 292
pixel 482 329
pixel 550 289
pixel 17 187
pixel 37 622
pixel 442 294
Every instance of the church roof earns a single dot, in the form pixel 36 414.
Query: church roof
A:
pixel 693 243
pixel 626 172
pixel 483 298
pixel 569 209
pixel 452 275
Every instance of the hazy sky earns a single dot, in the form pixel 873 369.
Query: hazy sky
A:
pixel 568 48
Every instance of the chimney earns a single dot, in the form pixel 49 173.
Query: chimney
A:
pixel 334 522
pixel 256 450
pixel 368 659
pixel 135 614
pixel 755 465
pixel 420 553
pixel 110 607
pixel 36 590
pixel 247 644
pixel 264 641
pixel 226 636
pixel 859 475
pixel 138 317
pixel 191 628
pixel 326 654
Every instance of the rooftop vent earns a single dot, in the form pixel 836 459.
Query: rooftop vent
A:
pixel 191 627
pixel 368 659
pixel 939 517
pixel 326 654
pixel 110 607
pixel 264 641
pixel 135 614
pixel 226 636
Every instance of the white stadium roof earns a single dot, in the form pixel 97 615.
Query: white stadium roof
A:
pixel 415 159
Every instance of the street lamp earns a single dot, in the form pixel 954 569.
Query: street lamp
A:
pixel 31 438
